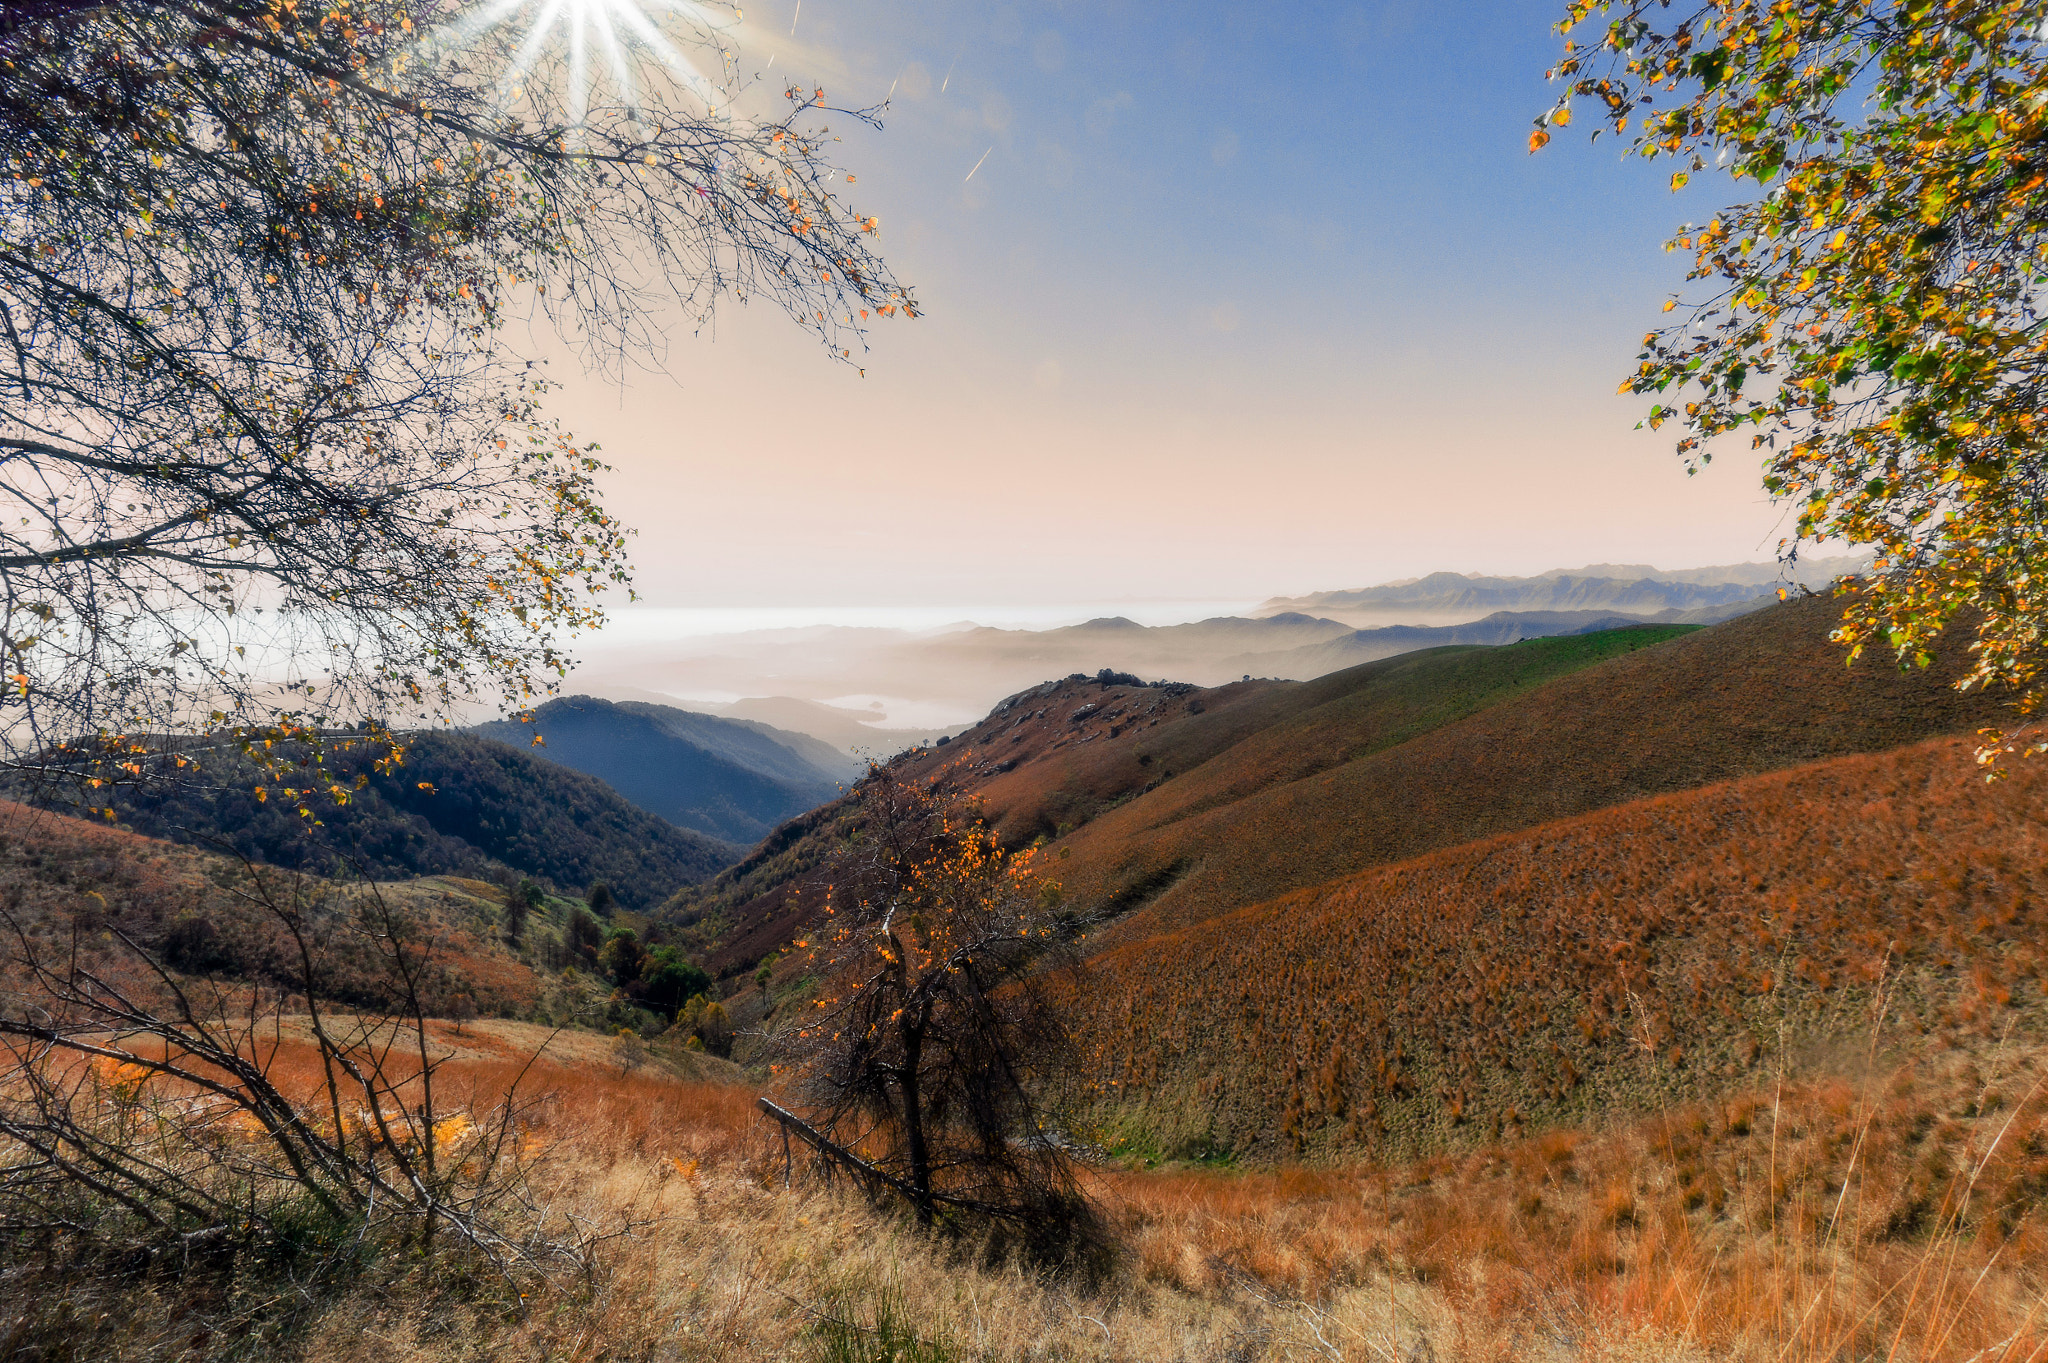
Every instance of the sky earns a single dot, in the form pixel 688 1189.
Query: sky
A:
pixel 1237 301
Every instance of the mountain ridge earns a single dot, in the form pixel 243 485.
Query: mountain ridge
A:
pixel 729 779
pixel 1637 589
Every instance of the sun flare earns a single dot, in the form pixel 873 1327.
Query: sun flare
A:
pixel 617 52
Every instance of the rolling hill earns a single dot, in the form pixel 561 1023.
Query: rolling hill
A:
pixel 1168 805
pixel 203 914
pixel 1329 787
pixel 1502 627
pixel 730 779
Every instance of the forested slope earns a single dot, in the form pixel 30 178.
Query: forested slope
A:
pixel 460 804
pixel 724 778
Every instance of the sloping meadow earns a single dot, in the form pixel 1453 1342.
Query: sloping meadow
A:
pixel 1608 963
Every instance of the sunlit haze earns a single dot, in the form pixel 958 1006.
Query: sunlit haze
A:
pixel 1236 301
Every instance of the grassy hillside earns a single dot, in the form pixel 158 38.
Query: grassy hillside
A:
pixel 1171 804
pixel 204 915
pixel 1595 965
pixel 1354 782
pixel 1058 755
pixel 1271 731
pixel 483 804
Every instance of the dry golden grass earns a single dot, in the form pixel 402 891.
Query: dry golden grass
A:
pixel 1889 1214
pixel 1764 1228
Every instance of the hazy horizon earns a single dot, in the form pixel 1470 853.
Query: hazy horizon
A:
pixel 1218 304
pixel 914 671
pixel 640 624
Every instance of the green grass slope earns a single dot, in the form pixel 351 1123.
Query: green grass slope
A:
pixel 1278 731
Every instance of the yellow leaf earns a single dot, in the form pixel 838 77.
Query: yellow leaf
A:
pixel 1537 139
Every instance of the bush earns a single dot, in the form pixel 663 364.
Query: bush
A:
pixel 704 1026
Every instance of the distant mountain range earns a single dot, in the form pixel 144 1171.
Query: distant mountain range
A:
pixel 732 779
pixel 1630 589
pixel 840 684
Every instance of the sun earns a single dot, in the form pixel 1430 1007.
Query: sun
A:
pixel 615 52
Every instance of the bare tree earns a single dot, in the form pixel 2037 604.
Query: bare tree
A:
pixel 266 465
pixel 934 1065
pixel 132 1094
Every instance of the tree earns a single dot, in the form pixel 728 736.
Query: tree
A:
pixel 521 900
pixel 1873 315
pixel 669 980
pixel 708 1026
pixel 934 1048
pixel 266 465
pixel 581 937
pixel 601 900
pixel 621 956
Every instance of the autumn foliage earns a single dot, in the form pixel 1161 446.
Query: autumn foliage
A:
pixel 930 1056
pixel 1869 317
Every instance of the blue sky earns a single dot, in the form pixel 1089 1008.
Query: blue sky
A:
pixel 1241 301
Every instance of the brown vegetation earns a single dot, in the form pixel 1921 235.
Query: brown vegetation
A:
pixel 1605 963
pixel 1892 1213
pixel 195 910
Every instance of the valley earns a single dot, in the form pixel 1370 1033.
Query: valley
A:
pixel 1527 958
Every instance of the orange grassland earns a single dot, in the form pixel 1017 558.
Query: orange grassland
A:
pixel 1607 963
pixel 1165 809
